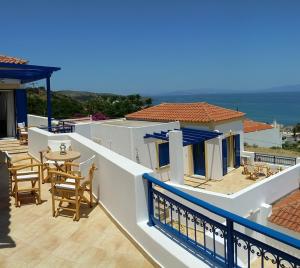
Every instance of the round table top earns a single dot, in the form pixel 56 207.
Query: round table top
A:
pixel 56 156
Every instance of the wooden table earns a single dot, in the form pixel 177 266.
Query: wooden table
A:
pixel 69 156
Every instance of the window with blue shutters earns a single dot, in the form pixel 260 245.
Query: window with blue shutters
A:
pixel 163 154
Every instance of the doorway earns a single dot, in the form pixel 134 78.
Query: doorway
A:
pixel 199 158
pixel 7 114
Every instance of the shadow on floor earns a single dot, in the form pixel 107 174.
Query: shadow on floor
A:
pixel 5 240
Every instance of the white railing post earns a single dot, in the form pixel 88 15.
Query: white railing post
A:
pixel 176 156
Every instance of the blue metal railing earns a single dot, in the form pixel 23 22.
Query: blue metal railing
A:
pixel 60 129
pixel 210 239
pixel 274 159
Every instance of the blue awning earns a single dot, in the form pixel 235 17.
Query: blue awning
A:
pixel 25 73
pixel 189 135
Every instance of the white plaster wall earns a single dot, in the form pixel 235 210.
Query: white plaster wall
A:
pixel 120 189
pixel 37 121
pixel 233 126
pixel 83 129
pixel 115 138
pixel 130 142
pixel 214 163
pixel 264 138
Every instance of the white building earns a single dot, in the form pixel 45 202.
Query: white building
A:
pixel 262 134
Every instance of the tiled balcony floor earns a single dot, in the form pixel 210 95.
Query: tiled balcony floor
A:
pixel 232 182
pixel 37 239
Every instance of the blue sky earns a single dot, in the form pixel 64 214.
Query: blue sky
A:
pixel 157 46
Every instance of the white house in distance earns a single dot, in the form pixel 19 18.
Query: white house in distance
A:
pixel 262 134
pixel 223 151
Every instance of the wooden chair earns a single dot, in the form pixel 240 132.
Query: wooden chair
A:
pixel 54 146
pixel 17 163
pixel 253 172
pixel 69 187
pixel 245 170
pixel 29 174
pixel 271 170
pixel 22 133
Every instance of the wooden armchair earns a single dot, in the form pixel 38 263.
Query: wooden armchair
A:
pixel 271 170
pixel 54 146
pixel 25 161
pixel 253 172
pixel 22 133
pixel 29 175
pixel 69 187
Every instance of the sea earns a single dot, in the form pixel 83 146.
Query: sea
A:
pixel 284 107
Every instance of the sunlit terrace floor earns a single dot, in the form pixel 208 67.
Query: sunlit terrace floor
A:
pixel 31 237
pixel 232 182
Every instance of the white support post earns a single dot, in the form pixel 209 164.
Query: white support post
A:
pixel 176 157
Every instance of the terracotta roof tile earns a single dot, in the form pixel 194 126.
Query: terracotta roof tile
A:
pixel 251 126
pixel 285 212
pixel 198 112
pixel 7 59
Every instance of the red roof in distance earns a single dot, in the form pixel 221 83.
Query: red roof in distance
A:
pixel 286 212
pixel 252 126
pixel 14 60
pixel 198 112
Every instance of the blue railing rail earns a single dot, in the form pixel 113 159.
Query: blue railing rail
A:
pixel 275 159
pixel 232 237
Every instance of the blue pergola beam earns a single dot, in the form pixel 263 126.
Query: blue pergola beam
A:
pixel 195 135
pixel 29 67
pixel 210 132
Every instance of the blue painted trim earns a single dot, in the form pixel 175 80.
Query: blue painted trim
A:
pixel 21 105
pixel 29 66
pixel 189 136
pixel 228 215
pixel 26 73
pixel 49 107
pixel 150 204
pixel 163 154
pixel 237 150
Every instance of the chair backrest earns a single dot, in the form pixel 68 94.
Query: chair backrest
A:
pixel 251 168
pixel 274 169
pixel 7 158
pixel 54 145
pixel 21 126
pixel 86 168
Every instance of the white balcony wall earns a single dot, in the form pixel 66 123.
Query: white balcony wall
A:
pixel 130 142
pixel 38 121
pixel 120 189
pixel 264 138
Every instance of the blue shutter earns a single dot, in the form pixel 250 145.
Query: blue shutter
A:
pixel 21 105
pixel 224 156
pixel 163 154
pixel 237 151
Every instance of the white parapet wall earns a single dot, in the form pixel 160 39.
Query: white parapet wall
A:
pixel 264 138
pixel 119 187
pixel 37 121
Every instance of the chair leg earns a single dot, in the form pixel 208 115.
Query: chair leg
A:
pixel 53 201
pixel 16 194
pixel 91 195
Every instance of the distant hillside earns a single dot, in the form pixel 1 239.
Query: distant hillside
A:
pixel 82 95
pixel 68 104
